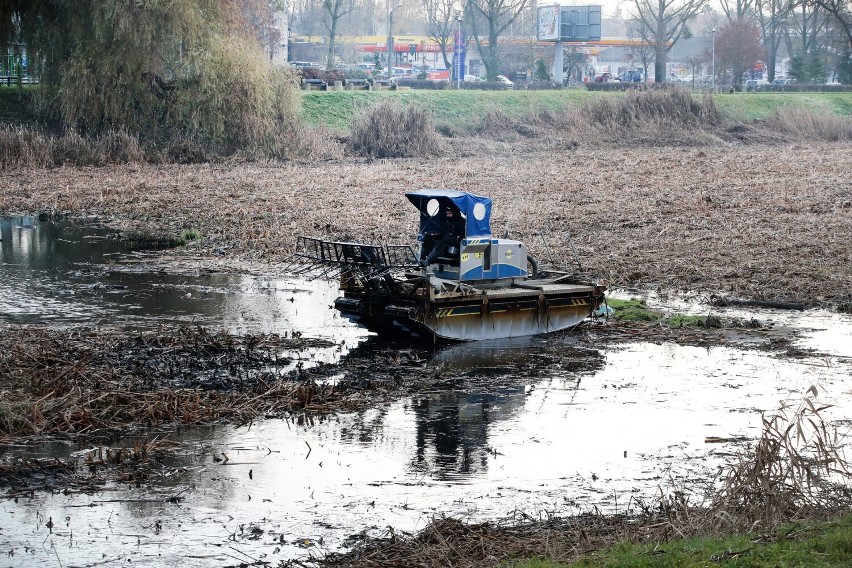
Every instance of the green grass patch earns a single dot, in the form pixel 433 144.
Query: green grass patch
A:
pixel 747 107
pixel 819 545
pixel 187 235
pixel 465 110
pixel 460 109
pixel 632 310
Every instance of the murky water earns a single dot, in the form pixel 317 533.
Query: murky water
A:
pixel 68 273
pixel 541 425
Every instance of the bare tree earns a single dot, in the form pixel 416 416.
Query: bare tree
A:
pixel 440 19
pixel 308 16
pixel 805 25
pixel 738 9
pixel 695 62
pixel 334 11
pixel 643 51
pixel 738 47
pixel 772 14
pixel 488 20
pixel 841 11
pixel 663 24
pixel 575 59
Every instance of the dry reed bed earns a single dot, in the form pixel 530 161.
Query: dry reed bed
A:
pixel 766 222
pixel 90 382
pixel 451 542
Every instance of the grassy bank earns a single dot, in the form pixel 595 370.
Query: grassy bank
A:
pixel 827 544
pixel 467 109
pixel 460 108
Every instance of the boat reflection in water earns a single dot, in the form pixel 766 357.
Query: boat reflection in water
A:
pixel 452 424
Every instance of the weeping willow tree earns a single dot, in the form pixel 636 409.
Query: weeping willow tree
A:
pixel 156 68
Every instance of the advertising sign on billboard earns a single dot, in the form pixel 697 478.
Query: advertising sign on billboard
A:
pixel 548 23
pixel 459 54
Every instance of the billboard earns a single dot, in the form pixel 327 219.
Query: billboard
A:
pixel 569 23
pixel 548 23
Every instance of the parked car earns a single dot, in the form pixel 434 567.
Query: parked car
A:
pixel 755 84
pixel 506 81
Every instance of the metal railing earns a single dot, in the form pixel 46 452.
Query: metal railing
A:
pixel 320 258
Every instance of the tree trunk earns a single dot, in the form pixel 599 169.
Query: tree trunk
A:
pixel 660 48
pixel 443 46
pixel 329 64
pixel 660 62
pixel 492 63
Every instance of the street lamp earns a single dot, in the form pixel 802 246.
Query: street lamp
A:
pixel 713 69
pixel 390 37
pixel 458 54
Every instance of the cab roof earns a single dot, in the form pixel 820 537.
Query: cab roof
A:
pixel 476 210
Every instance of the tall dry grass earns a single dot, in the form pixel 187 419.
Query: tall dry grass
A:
pixel 26 147
pixel 811 125
pixel 795 468
pixel 390 130
pixel 658 117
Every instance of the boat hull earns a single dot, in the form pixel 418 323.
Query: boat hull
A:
pixel 491 314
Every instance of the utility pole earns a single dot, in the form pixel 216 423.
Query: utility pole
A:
pixel 390 38
pixel 459 52
pixel 714 60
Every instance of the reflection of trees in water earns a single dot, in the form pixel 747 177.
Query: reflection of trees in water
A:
pixel 452 428
pixel 475 385
pixel 452 425
pixel 368 428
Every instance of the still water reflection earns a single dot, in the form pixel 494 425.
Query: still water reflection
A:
pixel 67 273
pixel 617 424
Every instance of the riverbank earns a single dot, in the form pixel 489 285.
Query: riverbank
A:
pixel 605 541
pixel 465 111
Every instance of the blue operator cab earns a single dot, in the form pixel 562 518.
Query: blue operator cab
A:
pixel 456 241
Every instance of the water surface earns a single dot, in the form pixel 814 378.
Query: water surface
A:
pixel 534 426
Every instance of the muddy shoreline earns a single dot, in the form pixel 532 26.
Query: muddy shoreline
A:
pixel 89 386
pixel 760 222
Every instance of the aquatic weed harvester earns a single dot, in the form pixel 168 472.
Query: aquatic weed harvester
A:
pixel 462 284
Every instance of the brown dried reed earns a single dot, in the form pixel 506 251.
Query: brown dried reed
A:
pixel 88 381
pixel 810 125
pixel 451 542
pixel 390 130
pixel 22 146
pixel 795 469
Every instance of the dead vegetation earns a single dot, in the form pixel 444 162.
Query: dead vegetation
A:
pixel 659 118
pixel 91 383
pixel 760 222
pixel 390 130
pixel 27 147
pixel 811 125
pixel 796 469
pixel 88 470
pixel 451 542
